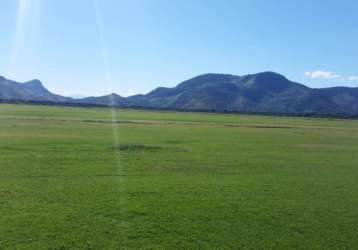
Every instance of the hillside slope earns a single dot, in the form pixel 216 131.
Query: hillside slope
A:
pixel 29 91
pixel 261 92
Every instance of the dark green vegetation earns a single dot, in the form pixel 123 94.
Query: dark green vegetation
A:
pixel 263 92
pixel 175 180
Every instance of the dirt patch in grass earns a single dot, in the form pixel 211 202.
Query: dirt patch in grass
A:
pixel 116 121
pixel 258 126
pixel 145 147
pixel 320 146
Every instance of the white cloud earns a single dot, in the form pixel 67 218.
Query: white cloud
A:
pixel 322 74
pixel 353 78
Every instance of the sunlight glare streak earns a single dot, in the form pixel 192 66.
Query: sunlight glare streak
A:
pixel 108 78
pixel 19 27
pixel 25 34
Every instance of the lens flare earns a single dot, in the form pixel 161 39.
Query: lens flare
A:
pixel 26 32
pixel 108 78
pixel 22 9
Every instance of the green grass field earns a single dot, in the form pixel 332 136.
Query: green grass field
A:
pixel 70 178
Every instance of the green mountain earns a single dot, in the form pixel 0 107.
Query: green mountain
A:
pixel 29 91
pixel 262 92
pixel 112 99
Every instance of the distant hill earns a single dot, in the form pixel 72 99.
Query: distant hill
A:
pixel 77 96
pixel 262 92
pixel 28 91
pixel 111 99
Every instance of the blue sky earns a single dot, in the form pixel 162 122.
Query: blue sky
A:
pixel 94 47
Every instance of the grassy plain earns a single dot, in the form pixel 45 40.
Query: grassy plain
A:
pixel 71 178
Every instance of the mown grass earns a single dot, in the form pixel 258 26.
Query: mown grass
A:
pixel 175 180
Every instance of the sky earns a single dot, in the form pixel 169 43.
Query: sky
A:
pixel 93 47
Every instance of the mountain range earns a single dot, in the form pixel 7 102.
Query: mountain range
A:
pixel 261 92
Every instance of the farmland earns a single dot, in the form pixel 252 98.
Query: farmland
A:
pixel 111 178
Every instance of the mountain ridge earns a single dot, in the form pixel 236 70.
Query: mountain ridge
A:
pixel 260 92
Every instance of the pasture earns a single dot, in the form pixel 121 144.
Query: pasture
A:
pixel 98 178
